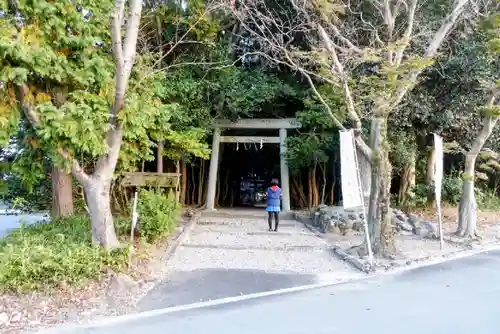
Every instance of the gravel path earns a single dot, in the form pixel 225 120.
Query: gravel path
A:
pixel 227 257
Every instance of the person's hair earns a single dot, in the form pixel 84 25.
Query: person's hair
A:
pixel 274 182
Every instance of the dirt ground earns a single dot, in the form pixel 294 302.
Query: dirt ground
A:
pixel 450 217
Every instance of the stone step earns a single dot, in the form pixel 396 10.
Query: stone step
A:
pixel 243 213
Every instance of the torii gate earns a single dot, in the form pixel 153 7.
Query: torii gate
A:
pixel 282 125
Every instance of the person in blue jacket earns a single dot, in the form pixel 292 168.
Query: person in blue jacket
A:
pixel 273 204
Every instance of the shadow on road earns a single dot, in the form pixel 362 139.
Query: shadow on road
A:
pixel 208 284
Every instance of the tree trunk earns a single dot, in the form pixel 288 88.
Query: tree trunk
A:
pixel 159 158
pixel 332 193
pixel 178 188
pixel 310 186
pixel 201 183
pixel 62 193
pixel 407 179
pixel 379 212
pixel 98 186
pixel 183 182
pixel 467 211
pixel 314 183
pixel 301 197
pixel 323 185
pixel 97 192
pixel 193 184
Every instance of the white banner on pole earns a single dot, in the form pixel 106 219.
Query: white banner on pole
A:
pixel 351 181
pixel 438 181
pixel 438 172
pixel 351 188
pixel 135 216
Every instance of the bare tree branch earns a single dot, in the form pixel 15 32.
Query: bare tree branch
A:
pixel 116 34
pixel 432 48
pixel 407 34
pixel 343 77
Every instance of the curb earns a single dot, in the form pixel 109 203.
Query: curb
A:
pixel 426 262
pixel 181 237
pixel 450 256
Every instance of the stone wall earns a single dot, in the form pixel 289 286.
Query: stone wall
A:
pixel 336 219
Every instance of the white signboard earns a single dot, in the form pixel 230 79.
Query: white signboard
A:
pixel 438 171
pixel 351 190
pixel 438 182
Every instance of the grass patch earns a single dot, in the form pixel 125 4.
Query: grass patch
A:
pixel 49 255
pixel 45 256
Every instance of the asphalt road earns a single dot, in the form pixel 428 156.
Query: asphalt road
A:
pixel 456 297
pixel 210 284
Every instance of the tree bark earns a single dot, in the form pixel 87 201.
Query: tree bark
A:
pixel 310 186
pixel 407 179
pixel 159 157
pixel 178 188
pixel 193 185
pixel 379 212
pixel 314 183
pixel 467 210
pixel 62 193
pixel 323 185
pixel 97 192
pixel 301 197
pixel 201 182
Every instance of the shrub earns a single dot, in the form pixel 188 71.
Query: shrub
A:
pixel 420 196
pixel 451 191
pixel 487 199
pixel 122 227
pixel 49 255
pixel 157 213
pixel 452 188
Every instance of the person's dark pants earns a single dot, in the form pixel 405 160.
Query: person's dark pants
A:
pixel 276 219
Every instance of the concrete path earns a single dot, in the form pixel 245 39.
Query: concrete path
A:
pixel 459 297
pixel 227 257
